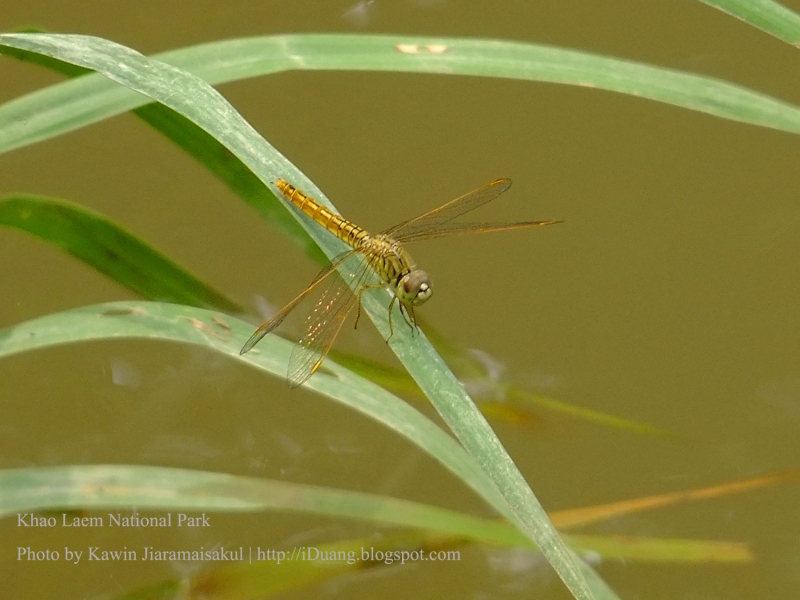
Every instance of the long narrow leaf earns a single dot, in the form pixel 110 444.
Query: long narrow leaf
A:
pixel 201 104
pixel 219 332
pixel 222 333
pixel 89 99
pixel 577 517
pixel 87 487
pixel 229 169
pixel 105 246
pixel 204 149
pixel 767 15
pixel 130 262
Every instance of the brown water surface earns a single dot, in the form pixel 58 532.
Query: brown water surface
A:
pixel 668 296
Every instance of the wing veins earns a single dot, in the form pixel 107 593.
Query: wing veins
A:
pixel 436 218
pixel 465 228
pixel 278 317
pixel 325 321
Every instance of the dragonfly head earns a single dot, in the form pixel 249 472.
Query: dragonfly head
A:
pixel 414 287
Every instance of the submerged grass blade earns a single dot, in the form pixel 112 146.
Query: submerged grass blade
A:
pixel 578 517
pixel 642 549
pixel 525 397
pixel 267 578
pixel 516 406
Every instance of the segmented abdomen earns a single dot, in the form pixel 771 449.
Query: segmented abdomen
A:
pixel 348 232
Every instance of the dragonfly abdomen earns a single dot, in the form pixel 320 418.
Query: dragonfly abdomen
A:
pixel 350 233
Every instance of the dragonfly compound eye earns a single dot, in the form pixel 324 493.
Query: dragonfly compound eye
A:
pixel 415 287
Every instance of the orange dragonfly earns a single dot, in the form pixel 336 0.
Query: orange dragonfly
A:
pixel 371 257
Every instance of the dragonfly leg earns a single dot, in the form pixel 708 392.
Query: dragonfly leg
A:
pixel 407 310
pixel 413 322
pixel 371 286
pixel 408 316
pixel 391 306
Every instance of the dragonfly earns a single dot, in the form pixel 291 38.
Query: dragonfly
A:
pixel 372 261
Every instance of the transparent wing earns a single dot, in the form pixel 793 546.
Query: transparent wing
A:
pixel 435 220
pixel 278 318
pixel 335 302
pixel 462 228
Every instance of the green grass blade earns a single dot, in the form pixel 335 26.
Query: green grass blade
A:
pixel 110 249
pixel 73 104
pixel 130 262
pixel 241 180
pixel 201 104
pixel 221 333
pixel 88 487
pixel 230 170
pixel 41 60
pixel 118 487
pixel 205 150
pixel 766 15
pixel 169 322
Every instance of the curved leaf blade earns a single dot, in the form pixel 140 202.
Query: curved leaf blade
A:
pixel 221 333
pixel 204 106
pixel 89 99
pixel 110 249
pixel 147 487
pixel 769 16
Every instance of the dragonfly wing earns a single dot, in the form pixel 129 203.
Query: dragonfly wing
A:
pixel 278 317
pixel 438 217
pixel 336 301
pixel 462 228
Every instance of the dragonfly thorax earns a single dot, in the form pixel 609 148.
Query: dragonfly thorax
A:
pixel 396 268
